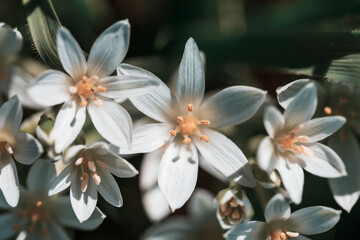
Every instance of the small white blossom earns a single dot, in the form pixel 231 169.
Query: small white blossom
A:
pixel 21 146
pixel 292 144
pixel 88 172
pixel 88 86
pixel 281 224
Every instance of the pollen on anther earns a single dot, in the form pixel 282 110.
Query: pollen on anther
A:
pixel 205 122
pixel 96 178
pixel 180 118
pixel 205 138
pixel 327 110
pixel 173 133
pixel 190 107
pixel 101 89
pixel 84 103
pixel 187 140
pixel 39 203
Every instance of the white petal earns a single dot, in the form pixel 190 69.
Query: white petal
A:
pixel 190 85
pixel 319 128
pixel 109 49
pixel 10 41
pixel 324 163
pixel 83 203
pixel 313 220
pixel 155 205
pixel 67 217
pixel 346 190
pixel 9 182
pixel 292 176
pixel 233 105
pixel 156 104
pixel 54 231
pixel 109 189
pixel 71 56
pixel 226 157
pixel 26 149
pixel 112 121
pixel 68 124
pixel 149 137
pixel 7 221
pixel 11 115
pixel 205 165
pixel 62 181
pixel 51 88
pixel 178 173
pixel 265 156
pixel 302 107
pixel 286 94
pixel 126 86
pixel 273 121
pixel 73 153
pixel 41 174
pixel 277 209
pixel 248 231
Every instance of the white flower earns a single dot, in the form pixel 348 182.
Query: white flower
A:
pixel 89 86
pixel 344 101
pixel 88 171
pixel 21 146
pixel 39 216
pixel 281 224
pixel 292 143
pixel 184 124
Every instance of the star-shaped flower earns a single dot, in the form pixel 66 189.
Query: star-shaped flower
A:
pixel 185 121
pixel 88 86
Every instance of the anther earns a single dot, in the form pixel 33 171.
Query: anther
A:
pixel 205 138
pixel 292 234
pixel 92 166
pixel 84 103
pixel 235 214
pixel 327 110
pixel 79 161
pixel 173 133
pixel 85 180
pixel 96 178
pixel 283 236
pixel 101 89
pixel 8 148
pixel 102 164
pixel 73 89
pixel 187 140
pixel 180 118
pixel 205 122
pixel 233 203
pixel 223 207
pixel 303 139
pixel 190 107
pixel 39 203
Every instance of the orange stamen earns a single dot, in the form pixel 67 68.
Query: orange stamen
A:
pixel 173 133
pixel 205 138
pixel 327 110
pixel 187 140
pixel 190 107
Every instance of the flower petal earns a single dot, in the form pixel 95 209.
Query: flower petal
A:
pixel 286 94
pixel 11 115
pixel 62 181
pixel 10 41
pixel 247 231
pixel 149 137
pixel 319 128
pixel 156 104
pixel 68 124
pixel 233 105
pixel 324 163
pixel 265 156
pixel 73 153
pixel 9 182
pixel 51 88
pixel 71 56
pixel 109 49
pixel 313 220
pixel 67 217
pixel 205 165
pixel 273 121
pixel 226 157
pixel 292 176
pixel 54 231
pixel 112 121
pixel 83 203
pixel 178 173
pixel 190 85
pixel 346 190
pixel 41 174
pixel 277 209
pixel 26 149
pixel 109 189
pixel 7 221
pixel 302 107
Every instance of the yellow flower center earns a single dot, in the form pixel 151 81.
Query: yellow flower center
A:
pixel 282 235
pixel 86 89
pixel 293 142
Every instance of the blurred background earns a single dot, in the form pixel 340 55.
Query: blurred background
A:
pixel 262 43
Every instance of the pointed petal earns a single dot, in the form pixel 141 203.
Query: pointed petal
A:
pixel 7 221
pixel 67 216
pixel 51 88
pixel 247 231
pixel 112 121
pixel 319 128
pixel 109 189
pixel 313 220
pixel 71 56
pixel 9 182
pixel 149 137
pixel 10 41
pixel 73 153
pixel 265 156
pixel 302 107
pixel 346 190
pixel 277 209
pixel 109 49
pixel 178 173
pixel 126 86
pixel 292 176
pixel 205 165
pixel 324 163
pixel 233 105
pixel 286 94
pixel 190 85
pixel 156 104
pixel 26 149
pixel 226 157
pixel 273 121
pixel 83 203
pixel 40 176
pixel 62 181
pixel 11 115
pixel 68 124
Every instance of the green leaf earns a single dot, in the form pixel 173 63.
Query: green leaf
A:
pixel 44 23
